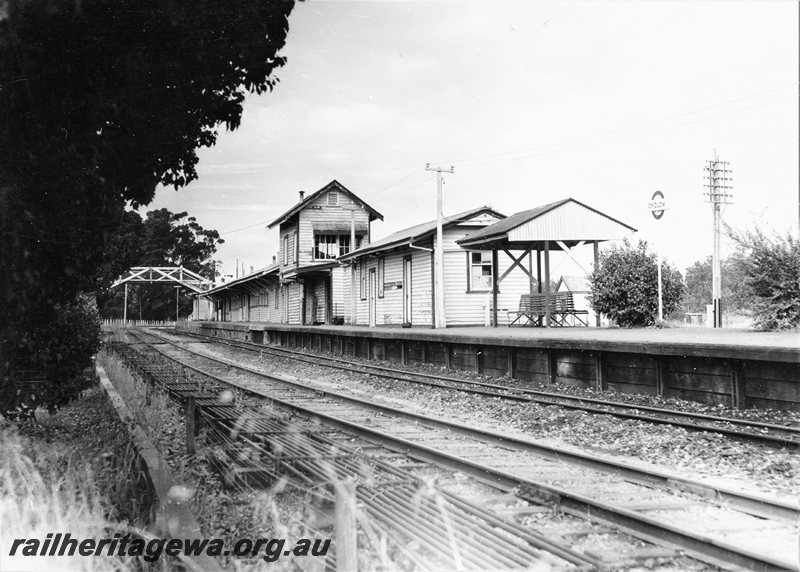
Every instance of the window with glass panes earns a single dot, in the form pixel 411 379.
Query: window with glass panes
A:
pixel 480 271
pixel 331 246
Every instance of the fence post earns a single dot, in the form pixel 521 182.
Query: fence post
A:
pixel 346 536
pixel 190 424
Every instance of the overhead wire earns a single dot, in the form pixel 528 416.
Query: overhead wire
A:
pixel 527 155
pixel 526 150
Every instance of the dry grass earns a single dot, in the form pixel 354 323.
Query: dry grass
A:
pixel 43 492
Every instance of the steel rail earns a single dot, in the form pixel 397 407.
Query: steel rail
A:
pixel 309 449
pixel 700 546
pixel 542 397
pixel 746 502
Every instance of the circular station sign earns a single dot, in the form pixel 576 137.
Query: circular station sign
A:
pixel 657 205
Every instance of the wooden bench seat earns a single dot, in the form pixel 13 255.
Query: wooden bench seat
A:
pixel 533 309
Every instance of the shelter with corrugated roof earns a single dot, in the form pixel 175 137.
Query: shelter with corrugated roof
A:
pixel 563 225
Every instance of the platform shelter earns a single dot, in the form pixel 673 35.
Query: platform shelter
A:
pixel 564 225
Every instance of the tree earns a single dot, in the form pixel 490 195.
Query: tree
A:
pixel 162 239
pixel 624 287
pixel 771 267
pixel 101 101
pixel 698 286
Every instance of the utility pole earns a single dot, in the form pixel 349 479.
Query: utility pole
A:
pixel 718 194
pixel 439 320
pixel 352 267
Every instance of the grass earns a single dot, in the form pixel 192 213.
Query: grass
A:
pixel 57 475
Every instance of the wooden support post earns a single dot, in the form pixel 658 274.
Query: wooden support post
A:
pixel 510 362
pixel 424 352
pixel 369 349
pixel 552 366
pixel 479 359
pixel 600 383
pixel 403 352
pixel 547 296
pixel 662 383
pixel 538 271
pixel 495 286
pixel 738 385
pixel 346 531
pixel 595 246
pixel 448 362
pixel 190 425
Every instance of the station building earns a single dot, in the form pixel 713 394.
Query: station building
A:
pixel 329 271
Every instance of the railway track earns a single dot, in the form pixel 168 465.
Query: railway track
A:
pixel 439 526
pixel 641 502
pixel 769 433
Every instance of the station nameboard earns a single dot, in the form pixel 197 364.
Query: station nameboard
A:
pixel 657 205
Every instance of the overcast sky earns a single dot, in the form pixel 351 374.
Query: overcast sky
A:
pixel 531 102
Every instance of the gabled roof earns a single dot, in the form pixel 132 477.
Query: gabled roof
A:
pixel 501 229
pixel 417 232
pixel 334 185
pixel 246 281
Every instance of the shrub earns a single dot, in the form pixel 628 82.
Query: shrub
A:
pixel 771 269
pixel 624 287
pixel 60 350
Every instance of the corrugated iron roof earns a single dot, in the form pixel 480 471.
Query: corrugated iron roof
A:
pixel 260 273
pixel 503 227
pixel 418 231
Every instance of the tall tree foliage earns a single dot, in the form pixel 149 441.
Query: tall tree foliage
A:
pixel 163 238
pixel 698 286
pixel 771 269
pixel 101 101
pixel 624 287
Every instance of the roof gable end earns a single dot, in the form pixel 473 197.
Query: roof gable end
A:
pixel 334 185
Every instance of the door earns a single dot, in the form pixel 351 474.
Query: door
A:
pixel 407 290
pixel 373 293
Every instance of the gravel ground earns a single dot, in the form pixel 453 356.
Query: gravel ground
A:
pixel 745 465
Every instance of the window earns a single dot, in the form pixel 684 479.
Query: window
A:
pixel 344 244
pixel 331 246
pixel 381 271
pixel 296 249
pixel 480 271
pixel 333 199
pixel 286 249
pixel 276 297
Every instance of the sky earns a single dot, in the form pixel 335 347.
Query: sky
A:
pixel 530 102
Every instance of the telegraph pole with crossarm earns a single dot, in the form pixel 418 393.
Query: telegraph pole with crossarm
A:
pixel 718 194
pixel 439 320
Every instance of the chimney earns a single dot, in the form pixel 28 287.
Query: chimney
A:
pixel 251 269
pixel 302 195
pixel 274 259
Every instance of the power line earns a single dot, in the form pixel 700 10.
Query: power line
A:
pixel 618 130
pixel 524 155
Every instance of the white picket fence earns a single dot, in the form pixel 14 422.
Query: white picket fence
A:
pixel 120 323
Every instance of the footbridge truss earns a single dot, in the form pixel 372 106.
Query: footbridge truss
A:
pixel 164 275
